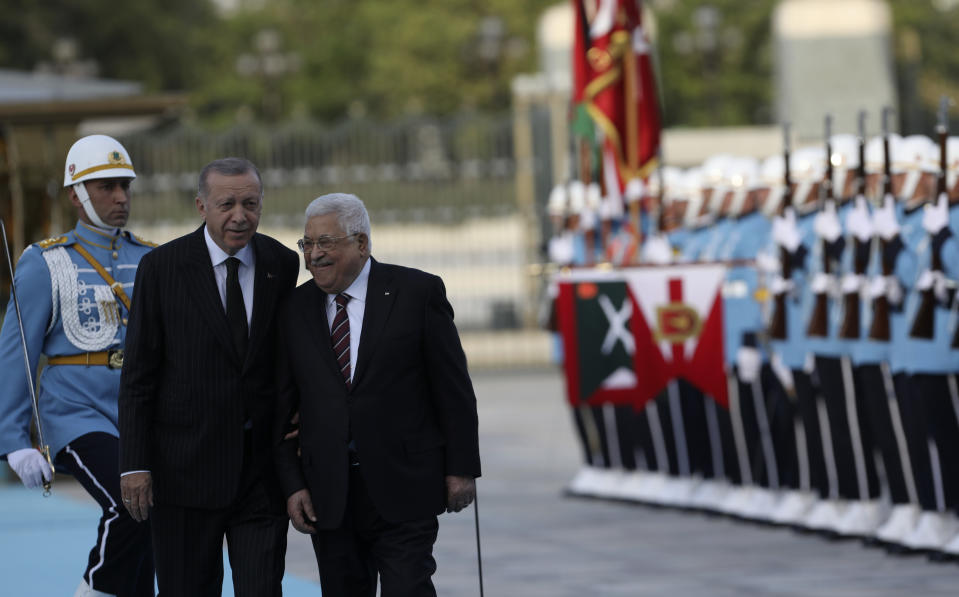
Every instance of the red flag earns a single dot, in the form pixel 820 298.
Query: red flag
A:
pixel 613 81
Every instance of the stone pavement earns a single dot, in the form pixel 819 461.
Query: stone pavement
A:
pixel 536 542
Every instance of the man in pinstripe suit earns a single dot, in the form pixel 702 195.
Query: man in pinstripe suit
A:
pixel 196 394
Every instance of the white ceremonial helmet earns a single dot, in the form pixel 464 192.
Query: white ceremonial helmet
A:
pixel 556 204
pixel 914 156
pixel 807 167
pixel 672 182
pixel 844 159
pixel 952 162
pixel 693 192
pixel 744 178
pixel 772 171
pixel 93 157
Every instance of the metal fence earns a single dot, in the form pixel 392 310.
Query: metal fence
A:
pixel 441 195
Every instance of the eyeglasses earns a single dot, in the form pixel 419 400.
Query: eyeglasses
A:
pixel 324 243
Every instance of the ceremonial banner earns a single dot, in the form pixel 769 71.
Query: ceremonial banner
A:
pixel 613 82
pixel 628 332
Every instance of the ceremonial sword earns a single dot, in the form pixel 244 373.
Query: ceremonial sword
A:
pixel 44 448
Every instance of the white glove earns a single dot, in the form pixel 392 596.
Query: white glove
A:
pixel 780 285
pixel 925 280
pixel 935 216
pixel 851 283
pixel 561 249
pixel 783 372
pixel 30 466
pixel 893 291
pixel 785 232
pixel 821 283
pixel 826 224
pixel 935 280
pixel 884 220
pixel 748 363
pixel 858 221
pixel 767 263
pixel 877 287
pixel 658 250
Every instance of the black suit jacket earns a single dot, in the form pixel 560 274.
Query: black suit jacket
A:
pixel 411 410
pixel 185 394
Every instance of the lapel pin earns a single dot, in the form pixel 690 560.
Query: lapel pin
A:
pixel 269 276
pixel 387 293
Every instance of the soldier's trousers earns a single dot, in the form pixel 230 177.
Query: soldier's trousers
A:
pixel 876 393
pixel 938 394
pixel 912 407
pixel 807 400
pixel 121 562
pixel 852 452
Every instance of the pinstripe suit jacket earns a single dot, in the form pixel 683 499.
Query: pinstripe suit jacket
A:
pixel 411 409
pixel 185 394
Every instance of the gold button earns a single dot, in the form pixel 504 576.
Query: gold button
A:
pixel 116 255
pixel 124 321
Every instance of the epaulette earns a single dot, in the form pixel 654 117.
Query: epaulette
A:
pixel 55 241
pixel 143 241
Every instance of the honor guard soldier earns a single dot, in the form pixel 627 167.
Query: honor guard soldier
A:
pixel 75 294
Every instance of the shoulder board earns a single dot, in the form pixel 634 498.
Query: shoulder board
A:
pixel 53 242
pixel 143 241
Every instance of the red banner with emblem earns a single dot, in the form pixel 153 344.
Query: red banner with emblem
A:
pixel 613 80
pixel 626 333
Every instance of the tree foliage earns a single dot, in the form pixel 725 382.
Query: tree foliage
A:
pixel 338 58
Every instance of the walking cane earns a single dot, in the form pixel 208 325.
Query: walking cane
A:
pixel 479 557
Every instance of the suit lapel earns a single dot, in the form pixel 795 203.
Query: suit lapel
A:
pixel 380 292
pixel 198 271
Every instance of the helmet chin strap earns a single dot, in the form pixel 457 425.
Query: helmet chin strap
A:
pixel 81 191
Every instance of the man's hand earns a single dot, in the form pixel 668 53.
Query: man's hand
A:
pixel 136 489
pixel 460 492
pixel 826 223
pixel 935 216
pixel 884 219
pixel 294 427
pixel 859 222
pixel 31 466
pixel 299 506
pixel 785 232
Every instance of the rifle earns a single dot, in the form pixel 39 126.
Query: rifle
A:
pixel 777 326
pixel 923 326
pixel 819 322
pixel 879 330
pixel 850 328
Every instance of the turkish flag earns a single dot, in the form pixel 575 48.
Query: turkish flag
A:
pixel 628 332
pixel 613 79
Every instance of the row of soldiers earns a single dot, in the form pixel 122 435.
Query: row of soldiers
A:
pixel 840 338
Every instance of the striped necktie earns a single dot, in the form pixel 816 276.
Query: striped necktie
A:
pixel 340 337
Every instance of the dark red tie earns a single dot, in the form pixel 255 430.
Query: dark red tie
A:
pixel 340 337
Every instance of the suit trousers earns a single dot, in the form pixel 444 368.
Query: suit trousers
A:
pixel 121 562
pixel 188 542
pixel 350 556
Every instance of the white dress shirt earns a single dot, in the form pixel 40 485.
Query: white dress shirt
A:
pixel 245 272
pixel 355 308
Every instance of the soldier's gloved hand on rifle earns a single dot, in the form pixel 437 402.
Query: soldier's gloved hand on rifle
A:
pixel 852 283
pixel 884 219
pixel 768 263
pixel 887 286
pixel 858 222
pixel 826 225
pixel 935 280
pixel 31 466
pixel 822 283
pixel 784 374
pixel 785 232
pixel 780 285
pixel 748 363
pixel 935 216
pixel 658 250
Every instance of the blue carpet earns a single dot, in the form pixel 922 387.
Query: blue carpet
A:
pixel 44 543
